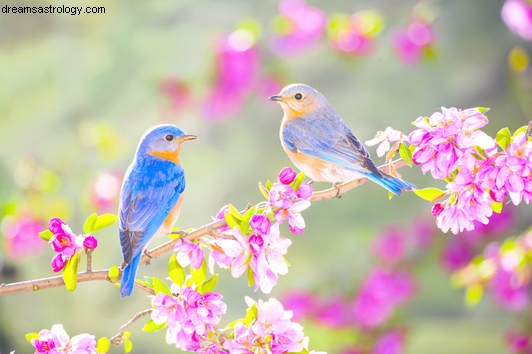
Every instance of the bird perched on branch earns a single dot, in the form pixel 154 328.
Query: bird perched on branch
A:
pixel 151 195
pixel 321 145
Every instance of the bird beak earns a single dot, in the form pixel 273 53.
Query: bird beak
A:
pixel 187 137
pixel 276 98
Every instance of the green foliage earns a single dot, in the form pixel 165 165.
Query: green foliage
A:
pixel 175 271
pixel 199 275
pixel 113 273
pixel 473 294
pixel 151 326
pixel 95 223
pixel 70 273
pixel 208 285
pixel 251 314
pixel 406 154
pixel 298 180
pixel 46 235
pixel 497 207
pixel 159 286
pixel 31 336
pixel 103 345
pixel 503 138
pixel 431 194
pixel 520 130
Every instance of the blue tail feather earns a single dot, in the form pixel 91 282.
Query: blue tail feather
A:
pixel 393 184
pixel 128 276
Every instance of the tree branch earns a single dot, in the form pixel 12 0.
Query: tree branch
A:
pixel 208 229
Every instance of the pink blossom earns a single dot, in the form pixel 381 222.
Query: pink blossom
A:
pixel 299 27
pixel 287 175
pixel 457 254
pixel 21 235
pixel 260 223
pixel 233 253
pixel 519 342
pixel 57 341
pixel 301 303
pixel 304 191
pixel 517 15
pixel 391 245
pixel 410 43
pixel 90 242
pixel 103 193
pixel 379 294
pixel 58 262
pixel 283 198
pixel 333 312
pixel 391 342
pixel 188 253
pixel 424 232
pixel 267 260
pixel 56 225
pixel 236 69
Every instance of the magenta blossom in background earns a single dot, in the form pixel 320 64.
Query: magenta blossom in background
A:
pixel 299 27
pixel 334 312
pixel 301 303
pixel 519 342
pixel 21 236
pixel 103 193
pixel 517 15
pixel 177 93
pixel 236 70
pixel 390 343
pixel 354 35
pixel 379 294
pixel 390 246
pixel 57 341
pixel 457 254
pixel 412 42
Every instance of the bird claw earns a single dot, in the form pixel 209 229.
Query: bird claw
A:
pixel 148 256
pixel 338 190
pixel 179 233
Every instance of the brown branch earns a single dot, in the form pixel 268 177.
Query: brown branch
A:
pixel 208 229
pixel 118 338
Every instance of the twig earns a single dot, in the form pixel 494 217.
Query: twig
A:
pixel 208 229
pixel 118 338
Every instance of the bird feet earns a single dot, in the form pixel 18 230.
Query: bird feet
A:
pixel 178 234
pixel 148 256
pixel 336 186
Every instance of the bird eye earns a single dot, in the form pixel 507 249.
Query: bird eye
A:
pixel 298 96
pixel 169 137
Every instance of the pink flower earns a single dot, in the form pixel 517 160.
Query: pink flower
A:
pixel 233 253
pixel 189 315
pixel 333 312
pixel 21 235
pixel 299 27
pixel 267 258
pixel 260 223
pixel 283 198
pixel 304 191
pixel 517 15
pixel 391 245
pixel 58 262
pixel 56 225
pixel 379 294
pixel 518 342
pixel 457 254
pixel 287 175
pixel 301 303
pixel 384 139
pixel 57 341
pixel 390 343
pixel 236 69
pixel 410 43
pixel 90 242
pixel 188 253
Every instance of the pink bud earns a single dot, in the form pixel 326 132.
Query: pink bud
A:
pixel 437 209
pixel 260 224
pixel 304 191
pixel 255 243
pixel 90 242
pixel 58 263
pixel 287 175
pixel 56 225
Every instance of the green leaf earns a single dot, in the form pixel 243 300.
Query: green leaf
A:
pixel 160 287
pixel 473 294
pixel 235 213
pixel 199 275
pixel 252 26
pixel 483 109
pixel 128 346
pixel 429 194
pixel 88 226
pixel 264 191
pixel 103 345
pixel 251 314
pixel 249 275
pixel 269 184
pixel 70 273
pixel 503 138
pixel 519 130
pixel 208 285
pixel 46 235
pixel 298 180
pixel 496 207
pixel 32 335
pixel 103 221
pixel 244 225
pixel 231 221
pixel 175 271
pixel 152 326
pixel 232 324
pixel 113 273
pixel 406 154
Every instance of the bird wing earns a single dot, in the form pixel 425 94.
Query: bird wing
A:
pixel 324 135
pixel 147 197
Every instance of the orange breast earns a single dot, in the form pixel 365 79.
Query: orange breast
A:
pixel 171 219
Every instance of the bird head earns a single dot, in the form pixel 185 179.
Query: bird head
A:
pixel 163 141
pixel 299 99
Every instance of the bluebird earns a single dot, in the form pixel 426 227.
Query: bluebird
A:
pixel 151 195
pixel 320 144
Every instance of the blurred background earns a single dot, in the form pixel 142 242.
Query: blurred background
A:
pixel 77 93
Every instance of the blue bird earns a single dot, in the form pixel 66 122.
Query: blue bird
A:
pixel 151 195
pixel 320 144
